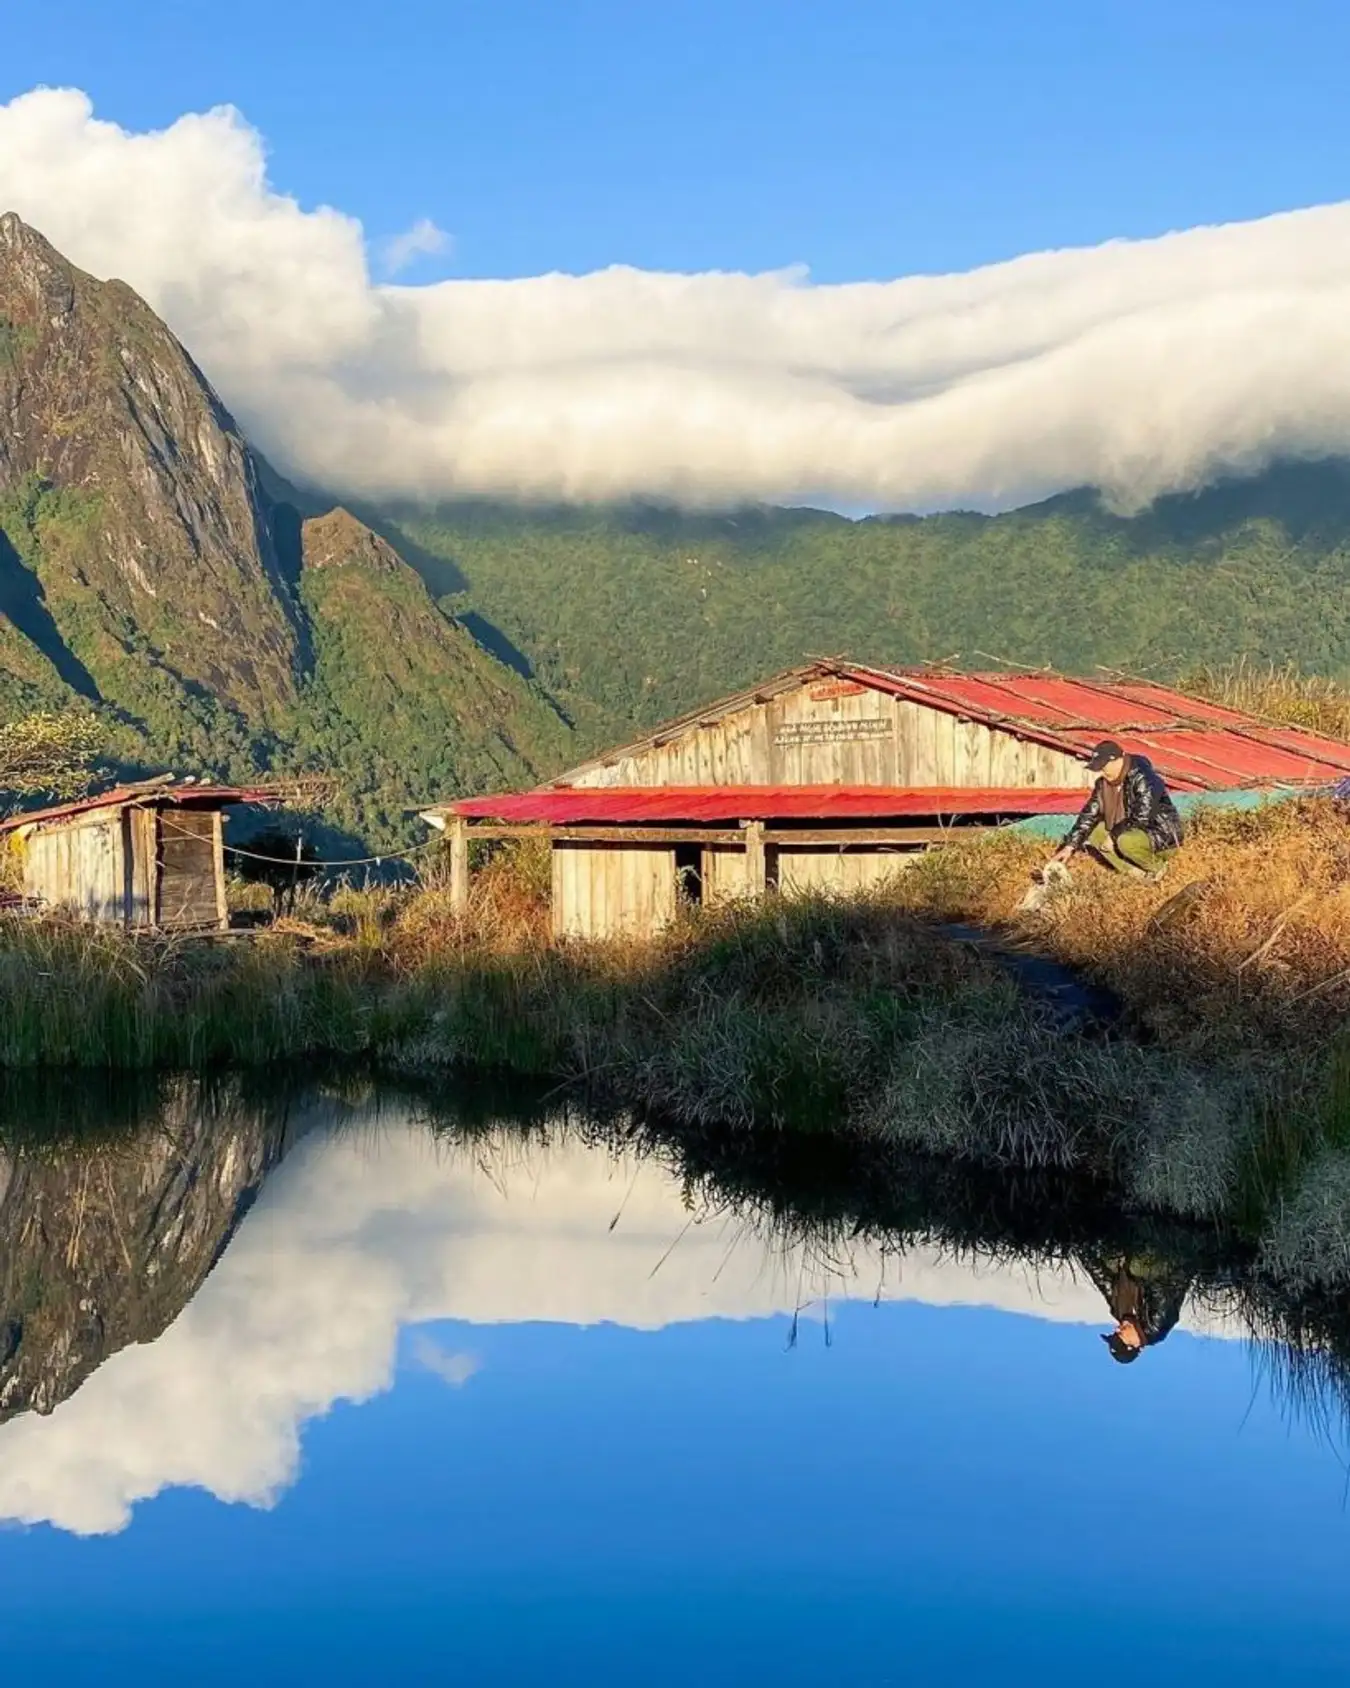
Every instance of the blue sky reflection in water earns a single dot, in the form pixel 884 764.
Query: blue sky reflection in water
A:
pixel 473 1435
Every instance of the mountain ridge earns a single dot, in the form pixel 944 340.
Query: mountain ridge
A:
pixel 638 613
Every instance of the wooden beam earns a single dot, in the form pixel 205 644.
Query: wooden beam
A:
pixel 756 866
pixel 457 839
pixel 659 835
pixel 873 835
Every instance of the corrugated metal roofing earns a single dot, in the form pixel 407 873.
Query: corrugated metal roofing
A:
pixel 624 805
pixel 178 797
pixel 1195 745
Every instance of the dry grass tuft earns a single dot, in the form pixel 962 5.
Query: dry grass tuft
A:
pixel 1277 694
pixel 1244 946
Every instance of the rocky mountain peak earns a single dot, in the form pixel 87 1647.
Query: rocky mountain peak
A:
pixel 33 263
pixel 140 496
pixel 152 562
pixel 338 538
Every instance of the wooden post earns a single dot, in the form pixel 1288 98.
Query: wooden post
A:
pixel 756 870
pixel 457 830
pixel 218 869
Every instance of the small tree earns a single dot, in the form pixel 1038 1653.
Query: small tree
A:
pixel 47 755
pixel 279 858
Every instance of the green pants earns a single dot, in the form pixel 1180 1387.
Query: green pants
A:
pixel 1130 848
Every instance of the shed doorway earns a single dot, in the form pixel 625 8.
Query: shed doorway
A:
pixel 190 892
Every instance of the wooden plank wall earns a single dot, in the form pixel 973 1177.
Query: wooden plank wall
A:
pixel 608 891
pixel 937 749
pixel 79 867
pixel 843 872
pixel 188 885
pixel 837 733
pixel 724 876
pixel 604 891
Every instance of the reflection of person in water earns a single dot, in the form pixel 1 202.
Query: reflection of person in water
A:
pixel 1145 1297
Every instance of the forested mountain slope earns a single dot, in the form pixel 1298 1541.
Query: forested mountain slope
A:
pixel 635 614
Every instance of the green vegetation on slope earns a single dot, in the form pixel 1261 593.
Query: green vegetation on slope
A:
pixel 401 698
pixel 154 568
pixel 629 616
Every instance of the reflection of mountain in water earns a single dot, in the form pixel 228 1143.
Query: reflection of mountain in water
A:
pixel 103 1244
pixel 152 1370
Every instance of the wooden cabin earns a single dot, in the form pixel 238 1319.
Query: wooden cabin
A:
pixel 138 857
pixel 833 775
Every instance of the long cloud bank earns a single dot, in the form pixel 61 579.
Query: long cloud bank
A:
pixel 1139 367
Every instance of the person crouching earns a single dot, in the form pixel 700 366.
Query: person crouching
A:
pixel 1129 823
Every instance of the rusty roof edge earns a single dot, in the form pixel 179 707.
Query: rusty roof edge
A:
pixel 819 800
pixel 1246 718
pixel 138 797
pixel 1244 724
pixel 1040 732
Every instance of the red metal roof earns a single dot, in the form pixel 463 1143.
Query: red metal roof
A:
pixel 1195 745
pixel 622 805
pixel 175 796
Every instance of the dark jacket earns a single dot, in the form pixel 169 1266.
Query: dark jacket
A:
pixel 1147 808
pixel 1150 1293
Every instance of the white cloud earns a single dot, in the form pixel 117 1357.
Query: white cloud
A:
pixel 422 240
pixel 454 1368
pixel 1138 366
pixel 363 1234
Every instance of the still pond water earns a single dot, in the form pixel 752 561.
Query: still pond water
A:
pixel 313 1392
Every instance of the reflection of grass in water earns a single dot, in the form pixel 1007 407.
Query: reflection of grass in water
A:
pixel 1033 1222
pixel 62 1112
pixel 813 1201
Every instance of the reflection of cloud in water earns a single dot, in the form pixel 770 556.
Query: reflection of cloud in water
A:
pixel 357 1235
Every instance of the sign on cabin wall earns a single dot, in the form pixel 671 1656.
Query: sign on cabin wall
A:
pixel 832 730
pixel 835 688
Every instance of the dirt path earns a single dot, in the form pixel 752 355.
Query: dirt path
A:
pixel 1076 1003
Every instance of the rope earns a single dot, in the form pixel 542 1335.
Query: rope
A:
pixel 298 862
pixel 347 861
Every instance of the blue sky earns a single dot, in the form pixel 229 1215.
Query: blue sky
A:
pixel 862 138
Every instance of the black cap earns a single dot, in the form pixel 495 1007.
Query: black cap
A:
pixel 1107 751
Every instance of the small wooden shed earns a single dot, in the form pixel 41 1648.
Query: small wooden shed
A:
pixel 148 857
pixel 833 775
